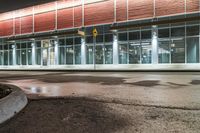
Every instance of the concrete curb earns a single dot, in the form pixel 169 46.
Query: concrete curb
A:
pixel 12 104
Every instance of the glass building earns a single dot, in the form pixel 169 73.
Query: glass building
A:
pixel 168 42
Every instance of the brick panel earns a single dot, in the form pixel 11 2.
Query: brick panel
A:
pixel 65 18
pixel 121 10
pixel 138 9
pixel 78 16
pixel 192 5
pixel 168 7
pixel 98 13
pixel 45 21
pixel 27 24
pixel 17 26
pixel 6 28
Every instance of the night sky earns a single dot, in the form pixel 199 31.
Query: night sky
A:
pixel 9 5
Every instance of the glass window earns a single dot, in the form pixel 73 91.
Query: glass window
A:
pixel 78 40
pixel 178 31
pixel 134 35
pixel 10 57
pixel 29 44
pixel 90 54
pixel 134 53
pixel 89 39
pixel 61 42
pixel 23 57
pixel 61 55
pixel 18 57
pixel 69 41
pixel 77 54
pixel 123 54
pixel 163 33
pixel 23 45
pixel 178 51
pixel 146 34
pixel 108 54
pixel 6 57
pixel 38 56
pixel 1 57
pixel 164 52
pixel 52 56
pixel 1 47
pixel 108 37
pixel 99 54
pixel 18 45
pixel 122 36
pixel 193 50
pixel 69 55
pixel 99 39
pixel 146 52
pixel 38 44
pixel 192 30
pixel 29 56
pixel 6 47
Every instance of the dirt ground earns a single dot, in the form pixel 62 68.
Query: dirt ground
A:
pixel 87 116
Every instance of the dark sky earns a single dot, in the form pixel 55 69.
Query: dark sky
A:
pixel 9 5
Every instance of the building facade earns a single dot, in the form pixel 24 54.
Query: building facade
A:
pixel 132 35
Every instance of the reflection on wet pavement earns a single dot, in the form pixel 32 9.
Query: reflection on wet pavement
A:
pixel 168 89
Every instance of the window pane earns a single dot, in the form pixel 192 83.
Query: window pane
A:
pixel 69 55
pixel 52 56
pixel 61 42
pixel 38 56
pixel 61 55
pixel 164 52
pixel 23 57
pixel 146 34
pixel 6 47
pixel 162 33
pixel 193 50
pixel 134 53
pixel 178 51
pixel 108 54
pixel 29 44
pixel 10 57
pixel 89 39
pixel 23 45
pixel 146 52
pixel 89 54
pixel 38 44
pixel 99 39
pixel 180 31
pixel 5 57
pixel 108 37
pixel 122 36
pixel 123 54
pixel 1 57
pixel 69 41
pixel 192 30
pixel 18 57
pixel 29 56
pixel 99 54
pixel 77 54
pixel 78 40
pixel 134 35
pixel 18 45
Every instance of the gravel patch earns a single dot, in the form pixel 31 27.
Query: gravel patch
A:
pixel 79 116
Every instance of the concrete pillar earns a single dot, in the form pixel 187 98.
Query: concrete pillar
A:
pixel 14 54
pixel 83 51
pixel 33 53
pixel 154 43
pixel 115 49
pixel 56 52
